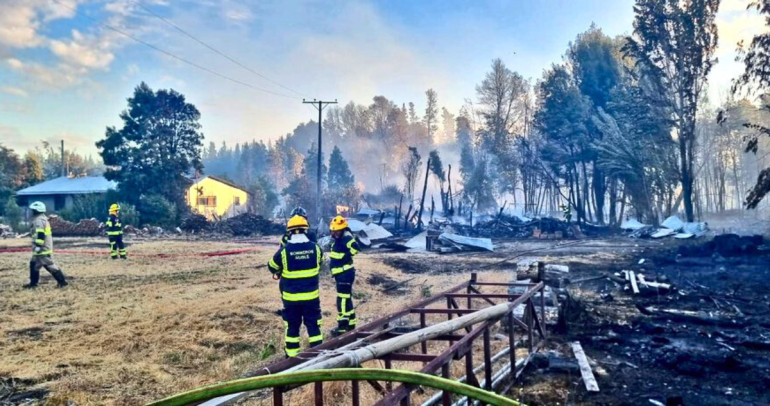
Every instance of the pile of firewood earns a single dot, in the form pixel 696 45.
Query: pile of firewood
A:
pixel 83 228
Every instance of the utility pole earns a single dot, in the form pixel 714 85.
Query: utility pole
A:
pixel 319 105
pixel 63 167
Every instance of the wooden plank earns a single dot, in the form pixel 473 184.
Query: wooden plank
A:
pixel 585 368
pixel 634 286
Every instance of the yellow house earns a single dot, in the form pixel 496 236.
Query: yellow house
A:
pixel 215 197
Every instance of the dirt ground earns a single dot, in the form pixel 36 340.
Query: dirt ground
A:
pixel 125 333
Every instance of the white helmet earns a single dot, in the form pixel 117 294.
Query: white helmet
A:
pixel 38 207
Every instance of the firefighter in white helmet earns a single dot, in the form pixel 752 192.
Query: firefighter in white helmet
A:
pixel 42 248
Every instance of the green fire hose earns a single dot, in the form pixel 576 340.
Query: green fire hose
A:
pixel 341 374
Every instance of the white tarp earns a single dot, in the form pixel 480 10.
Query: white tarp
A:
pixel 673 223
pixel 469 242
pixel 696 229
pixel 684 236
pixel 663 232
pixel 418 241
pixel 372 231
pixel 557 268
pixel 632 224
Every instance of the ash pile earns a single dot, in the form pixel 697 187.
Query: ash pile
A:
pixel 727 245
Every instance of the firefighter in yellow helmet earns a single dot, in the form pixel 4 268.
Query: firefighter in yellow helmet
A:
pixel 296 264
pixel 344 248
pixel 115 233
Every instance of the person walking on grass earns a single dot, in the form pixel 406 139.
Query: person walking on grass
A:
pixel 42 248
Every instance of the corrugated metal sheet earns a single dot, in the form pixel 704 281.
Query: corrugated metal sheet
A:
pixel 469 242
pixel 70 186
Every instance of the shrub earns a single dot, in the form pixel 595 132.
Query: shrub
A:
pixel 156 210
pixel 129 215
pixel 13 214
pixel 86 207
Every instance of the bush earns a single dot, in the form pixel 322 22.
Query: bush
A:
pixel 13 214
pixel 86 207
pixel 129 216
pixel 156 210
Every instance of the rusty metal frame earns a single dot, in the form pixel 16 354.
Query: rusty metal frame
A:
pixel 461 346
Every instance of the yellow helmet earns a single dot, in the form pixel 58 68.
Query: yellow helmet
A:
pixel 114 208
pixel 338 223
pixel 297 223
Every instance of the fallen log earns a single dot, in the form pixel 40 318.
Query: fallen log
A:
pixel 396 285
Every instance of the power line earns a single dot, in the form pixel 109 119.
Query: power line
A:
pixel 194 38
pixel 169 54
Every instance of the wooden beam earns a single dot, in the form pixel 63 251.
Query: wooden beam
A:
pixel 634 286
pixel 585 367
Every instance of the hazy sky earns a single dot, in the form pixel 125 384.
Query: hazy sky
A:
pixel 63 75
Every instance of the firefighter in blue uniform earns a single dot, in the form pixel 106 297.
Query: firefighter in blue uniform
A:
pixel 115 233
pixel 296 264
pixel 344 248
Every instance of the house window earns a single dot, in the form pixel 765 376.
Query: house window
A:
pixel 237 200
pixel 208 201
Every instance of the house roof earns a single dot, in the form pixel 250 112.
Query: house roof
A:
pixel 69 186
pixel 220 180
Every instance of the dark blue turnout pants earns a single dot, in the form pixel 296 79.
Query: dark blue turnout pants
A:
pixel 294 314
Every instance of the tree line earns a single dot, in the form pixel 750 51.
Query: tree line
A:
pixel 621 127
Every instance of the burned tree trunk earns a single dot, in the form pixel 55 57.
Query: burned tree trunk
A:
pixel 422 200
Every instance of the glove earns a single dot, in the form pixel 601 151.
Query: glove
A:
pixel 37 248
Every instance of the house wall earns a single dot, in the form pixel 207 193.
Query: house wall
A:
pixel 49 201
pixel 226 197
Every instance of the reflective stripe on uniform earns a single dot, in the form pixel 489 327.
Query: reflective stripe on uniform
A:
pixel 273 265
pixel 114 232
pixel 46 252
pixel 336 255
pixel 291 339
pixel 39 242
pixel 299 297
pixel 350 243
pixel 292 352
pixel 343 295
pixel 341 269
pixel 307 273
pixel 315 339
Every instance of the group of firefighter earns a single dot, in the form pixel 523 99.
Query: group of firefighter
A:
pixel 296 265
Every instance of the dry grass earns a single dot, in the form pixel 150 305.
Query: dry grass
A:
pixel 128 332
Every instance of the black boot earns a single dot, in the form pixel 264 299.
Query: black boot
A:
pixel 34 277
pixel 59 276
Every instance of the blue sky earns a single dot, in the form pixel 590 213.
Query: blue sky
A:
pixel 62 75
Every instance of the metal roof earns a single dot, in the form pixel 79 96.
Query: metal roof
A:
pixel 220 180
pixel 70 186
